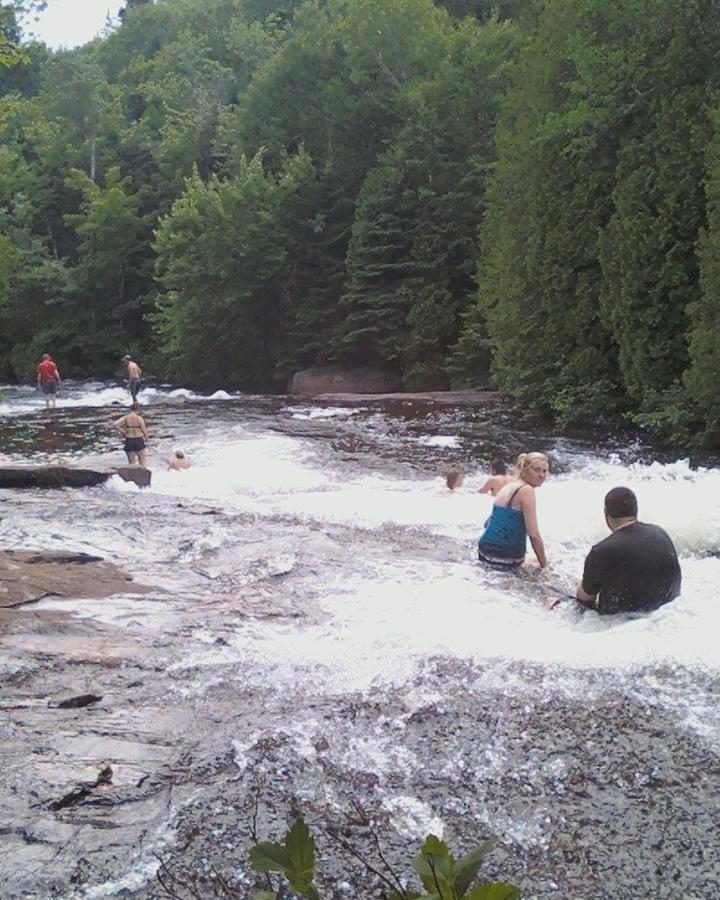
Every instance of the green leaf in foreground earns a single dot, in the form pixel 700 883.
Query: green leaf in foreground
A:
pixel 268 856
pixel 467 868
pixel 494 890
pixel 435 866
pixel 301 850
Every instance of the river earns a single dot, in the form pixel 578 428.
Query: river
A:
pixel 318 635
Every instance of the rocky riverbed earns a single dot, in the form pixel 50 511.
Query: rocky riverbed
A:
pixel 306 631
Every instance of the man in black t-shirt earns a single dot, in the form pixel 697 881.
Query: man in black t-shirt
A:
pixel 635 569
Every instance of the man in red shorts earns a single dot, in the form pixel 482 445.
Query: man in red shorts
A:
pixel 48 379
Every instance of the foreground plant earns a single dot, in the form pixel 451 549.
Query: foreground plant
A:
pixel 442 876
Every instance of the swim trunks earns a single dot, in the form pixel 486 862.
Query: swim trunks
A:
pixel 49 386
pixel 134 444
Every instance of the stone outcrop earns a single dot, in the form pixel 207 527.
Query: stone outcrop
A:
pixel 28 576
pixel 67 476
pixel 311 382
pixel 139 474
pixel 475 397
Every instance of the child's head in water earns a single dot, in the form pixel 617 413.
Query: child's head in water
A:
pixel 498 467
pixel 454 478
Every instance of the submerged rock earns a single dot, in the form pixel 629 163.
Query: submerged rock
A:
pixel 79 701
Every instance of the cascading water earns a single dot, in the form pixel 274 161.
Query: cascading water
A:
pixel 317 613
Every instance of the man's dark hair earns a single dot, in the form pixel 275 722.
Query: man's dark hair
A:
pixel 498 467
pixel 621 503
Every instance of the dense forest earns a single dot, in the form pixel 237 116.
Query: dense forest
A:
pixel 516 193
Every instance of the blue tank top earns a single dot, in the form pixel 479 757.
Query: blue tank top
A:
pixel 505 536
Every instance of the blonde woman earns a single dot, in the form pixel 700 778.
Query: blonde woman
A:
pixel 513 518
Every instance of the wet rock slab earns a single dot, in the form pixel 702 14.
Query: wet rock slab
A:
pixel 58 476
pixel 29 576
pixel 442 398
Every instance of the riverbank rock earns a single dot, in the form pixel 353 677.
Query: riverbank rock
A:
pixel 311 382
pixel 67 476
pixel 139 474
pixel 472 397
pixel 27 576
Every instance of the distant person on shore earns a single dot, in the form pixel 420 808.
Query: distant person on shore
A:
pixel 497 480
pixel 179 461
pixel 454 478
pixel 635 569
pixel 133 429
pixel 513 518
pixel 48 379
pixel 133 374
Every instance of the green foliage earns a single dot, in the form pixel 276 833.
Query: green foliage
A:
pixel 295 859
pixel 461 191
pixel 227 264
pixel 700 378
pixel 442 876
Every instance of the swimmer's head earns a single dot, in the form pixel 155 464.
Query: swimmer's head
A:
pixel 179 454
pixel 498 467
pixel 454 478
pixel 46 356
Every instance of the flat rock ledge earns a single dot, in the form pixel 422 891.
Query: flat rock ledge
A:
pixel 444 398
pixel 27 576
pixel 56 476
pixel 360 380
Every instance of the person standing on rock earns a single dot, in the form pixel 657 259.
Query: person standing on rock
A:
pixel 48 379
pixel 133 373
pixel 133 429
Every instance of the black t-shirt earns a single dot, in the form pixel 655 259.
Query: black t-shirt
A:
pixel 634 569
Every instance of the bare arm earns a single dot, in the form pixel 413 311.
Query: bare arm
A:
pixel 120 424
pixel 487 488
pixel 527 505
pixel 144 429
pixel 585 598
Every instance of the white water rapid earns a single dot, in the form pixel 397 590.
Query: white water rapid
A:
pixel 341 511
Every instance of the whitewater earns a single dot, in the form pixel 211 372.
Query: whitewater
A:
pixel 312 559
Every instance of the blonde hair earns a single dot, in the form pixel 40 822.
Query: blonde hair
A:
pixel 525 461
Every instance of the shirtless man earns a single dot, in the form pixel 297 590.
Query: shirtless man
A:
pixel 179 461
pixel 133 372
pixel 132 428
pixel 498 478
pixel 48 379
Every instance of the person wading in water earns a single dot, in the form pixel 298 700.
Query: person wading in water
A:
pixel 514 519
pixel 48 379
pixel 133 429
pixel 497 480
pixel 133 373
